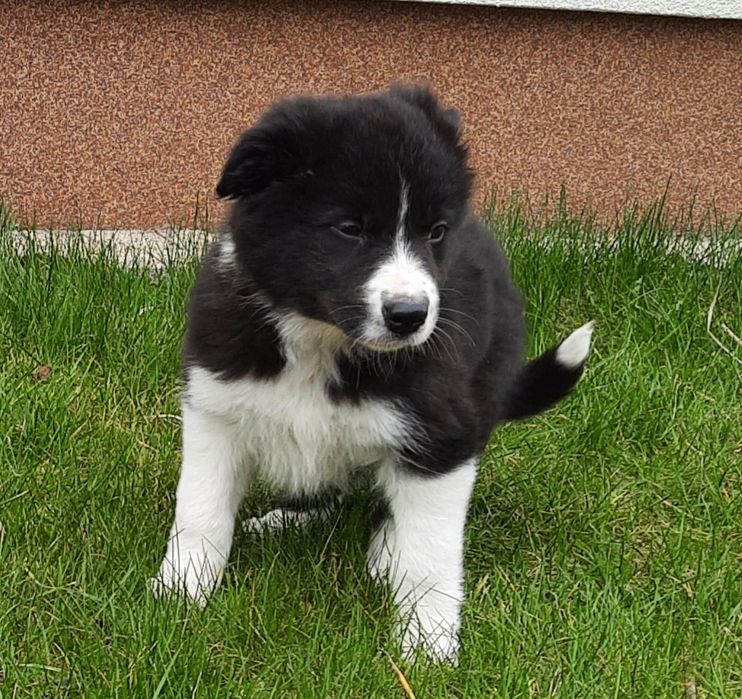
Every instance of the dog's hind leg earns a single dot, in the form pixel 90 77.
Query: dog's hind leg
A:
pixel 293 514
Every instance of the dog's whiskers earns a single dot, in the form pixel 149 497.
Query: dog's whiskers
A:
pixel 456 326
pixel 448 309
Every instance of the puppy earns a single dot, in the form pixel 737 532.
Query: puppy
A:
pixel 354 315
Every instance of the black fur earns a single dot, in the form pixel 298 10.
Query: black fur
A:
pixel 541 383
pixel 311 163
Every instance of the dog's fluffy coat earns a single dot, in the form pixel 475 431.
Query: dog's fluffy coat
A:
pixel 354 315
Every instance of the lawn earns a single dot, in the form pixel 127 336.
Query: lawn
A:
pixel 604 548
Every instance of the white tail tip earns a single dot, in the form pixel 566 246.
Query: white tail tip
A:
pixel 573 352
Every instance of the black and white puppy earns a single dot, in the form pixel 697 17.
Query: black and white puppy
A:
pixel 354 315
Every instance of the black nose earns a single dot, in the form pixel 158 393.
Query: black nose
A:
pixel 404 317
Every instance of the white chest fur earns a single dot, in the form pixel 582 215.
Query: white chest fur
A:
pixel 290 430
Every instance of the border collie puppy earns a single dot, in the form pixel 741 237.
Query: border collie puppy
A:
pixel 354 316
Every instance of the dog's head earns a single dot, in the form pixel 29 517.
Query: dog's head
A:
pixel 347 209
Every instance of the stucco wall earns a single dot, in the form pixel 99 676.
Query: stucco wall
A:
pixel 120 113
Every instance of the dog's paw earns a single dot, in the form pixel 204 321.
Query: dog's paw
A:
pixel 190 574
pixel 380 562
pixel 279 520
pixel 438 639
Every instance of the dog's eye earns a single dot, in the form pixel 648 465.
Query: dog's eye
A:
pixel 437 232
pixel 349 229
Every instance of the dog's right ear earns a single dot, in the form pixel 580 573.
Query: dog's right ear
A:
pixel 274 150
pixel 445 120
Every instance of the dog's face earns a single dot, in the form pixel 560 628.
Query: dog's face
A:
pixel 347 209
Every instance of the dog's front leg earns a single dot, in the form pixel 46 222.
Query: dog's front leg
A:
pixel 213 480
pixel 419 549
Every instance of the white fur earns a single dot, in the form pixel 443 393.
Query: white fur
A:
pixel 226 252
pixel 286 428
pixel 573 352
pixel 404 207
pixel 420 550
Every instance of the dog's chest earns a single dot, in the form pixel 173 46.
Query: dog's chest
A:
pixel 293 432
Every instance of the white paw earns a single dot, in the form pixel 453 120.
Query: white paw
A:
pixel 436 637
pixel 278 520
pixel 192 574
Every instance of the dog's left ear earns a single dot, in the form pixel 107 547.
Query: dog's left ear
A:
pixel 272 151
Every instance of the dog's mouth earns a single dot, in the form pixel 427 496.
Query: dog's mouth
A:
pixel 385 346
pixel 382 340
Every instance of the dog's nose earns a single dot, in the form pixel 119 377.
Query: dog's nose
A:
pixel 404 316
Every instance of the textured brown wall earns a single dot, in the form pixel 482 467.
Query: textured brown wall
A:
pixel 121 112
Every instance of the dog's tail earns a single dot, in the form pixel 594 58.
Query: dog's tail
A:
pixel 550 377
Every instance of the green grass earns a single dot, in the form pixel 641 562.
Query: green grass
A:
pixel 604 548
